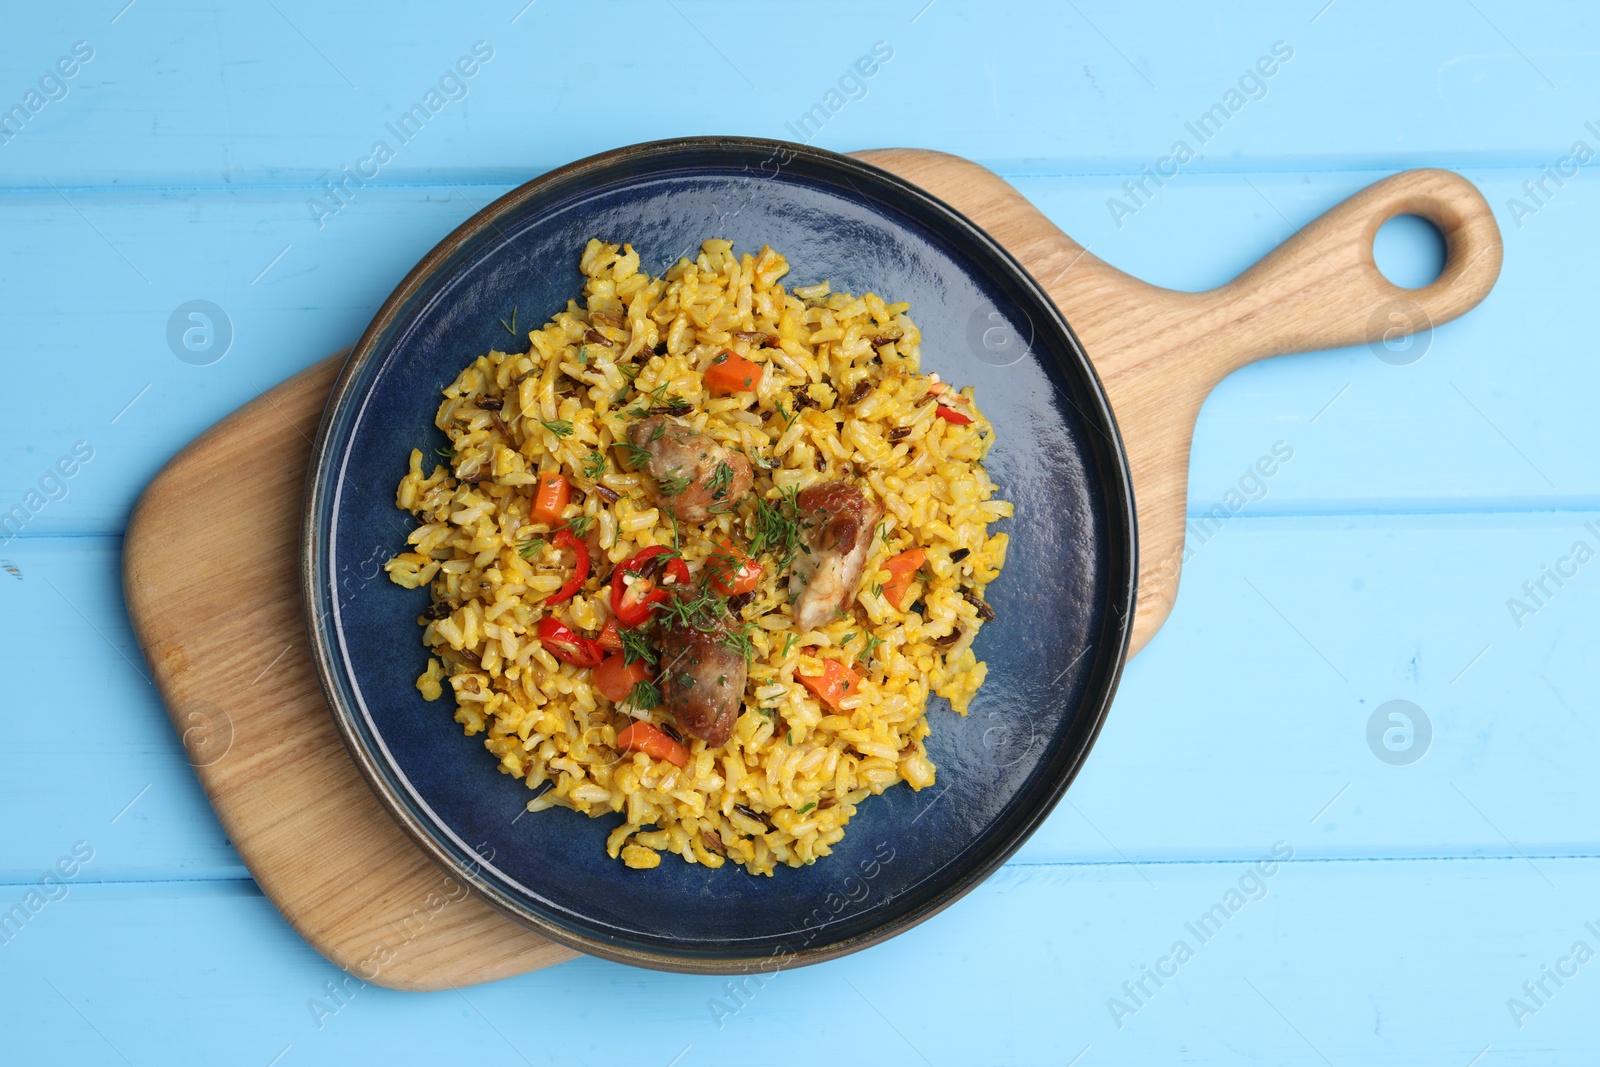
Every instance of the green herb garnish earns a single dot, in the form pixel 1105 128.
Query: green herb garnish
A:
pixel 594 465
pixel 721 478
pixel 633 454
pixel 578 524
pixel 635 647
pixel 528 547
pixel 512 328
pixel 808 807
pixel 674 485
pixel 778 527
pixel 559 427
pixel 644 695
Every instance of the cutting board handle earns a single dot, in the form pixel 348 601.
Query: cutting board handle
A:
pixel 1322 288
pixel 1159 352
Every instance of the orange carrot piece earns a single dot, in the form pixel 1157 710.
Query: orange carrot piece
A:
pixel 643 737
pixel 550 498
pixel 901 568
pixel 833 685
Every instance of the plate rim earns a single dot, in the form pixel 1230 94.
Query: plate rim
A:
pixel 323 481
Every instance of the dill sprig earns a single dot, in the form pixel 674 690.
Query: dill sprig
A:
pixel 559 427
pixel 578 524
pixel 594 465
pixel 644 695
pixel 866 650
pixel 778 527
pixel 633 455
pixel 701 610
pixel 528 547
pixel 446 452
pixel 707 612
pixel 635 647
pixel 721 478
pixel 512 328
pixel 675 484
pixel 738 640
pixel 658 399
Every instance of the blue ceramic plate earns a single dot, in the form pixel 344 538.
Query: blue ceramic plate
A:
pixel 1063 604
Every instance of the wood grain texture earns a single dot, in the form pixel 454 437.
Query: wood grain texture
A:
pixel 1160 352
pixel 225 636
pixel 225 639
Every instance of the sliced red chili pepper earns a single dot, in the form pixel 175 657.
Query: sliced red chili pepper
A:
pixel 731 570
pixel 564 539
pixel 631 603
pixel 567 645
pixel 951 415
pixel 610 637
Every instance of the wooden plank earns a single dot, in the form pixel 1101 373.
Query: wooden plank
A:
pixel 1373 963
pixel 294 88
pixel 1427 436
pixel 1229 708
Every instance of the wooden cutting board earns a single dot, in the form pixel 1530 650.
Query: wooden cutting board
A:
pixel 226 640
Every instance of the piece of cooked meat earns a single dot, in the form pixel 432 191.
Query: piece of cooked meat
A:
pixel 836 523
pixel 688 469
pixel 702 678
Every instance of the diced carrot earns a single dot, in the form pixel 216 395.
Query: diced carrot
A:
pixel 643 737
pixel 833 685
pixel 616 677
pixel 550 498
pixel 731 373
pixel 901 568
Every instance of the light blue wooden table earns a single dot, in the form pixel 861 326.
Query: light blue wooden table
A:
pixel 1422 544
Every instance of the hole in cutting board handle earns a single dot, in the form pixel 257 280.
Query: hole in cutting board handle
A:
pixel 1410 251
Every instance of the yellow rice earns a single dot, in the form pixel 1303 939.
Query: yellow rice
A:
pixel 798 765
